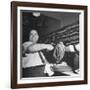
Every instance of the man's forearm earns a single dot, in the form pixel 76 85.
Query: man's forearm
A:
pixel 37 47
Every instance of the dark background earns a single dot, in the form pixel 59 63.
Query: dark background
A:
pixel 47 23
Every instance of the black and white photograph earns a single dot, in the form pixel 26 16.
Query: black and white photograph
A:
pixel 50 44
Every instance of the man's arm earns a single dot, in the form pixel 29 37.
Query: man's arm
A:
pixel 38 47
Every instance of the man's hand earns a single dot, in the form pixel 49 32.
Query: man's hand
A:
pixel 49 47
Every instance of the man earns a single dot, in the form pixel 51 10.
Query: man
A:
pixel 33 60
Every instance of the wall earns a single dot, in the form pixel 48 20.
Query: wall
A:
pixel 5 44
